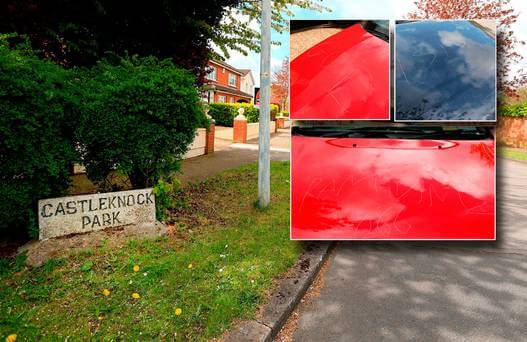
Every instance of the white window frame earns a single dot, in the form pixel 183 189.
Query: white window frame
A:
pixel 213 73
pixel 222 99
pixel 234 75
pixel 231 99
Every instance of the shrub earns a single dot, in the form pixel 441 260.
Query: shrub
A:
pixel 514 110
pixel 36 136
pixel 285 113
pixel 273 111
pixel 250 111
pixel 139 117
pixel 224 113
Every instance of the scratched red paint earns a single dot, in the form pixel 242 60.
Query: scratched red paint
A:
pixel 345 76
pixel 358 188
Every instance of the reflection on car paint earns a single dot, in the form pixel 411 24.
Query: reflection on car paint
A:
pixel 343 77
pixel 445 70
pixel 360 188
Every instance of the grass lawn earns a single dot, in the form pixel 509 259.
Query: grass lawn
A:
pixel 215 267
pixel 512 153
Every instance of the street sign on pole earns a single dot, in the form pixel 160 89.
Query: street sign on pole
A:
pixel 265 96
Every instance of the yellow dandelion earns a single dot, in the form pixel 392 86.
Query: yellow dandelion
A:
pixel 106 292
pixel 11 338
pixel 178 311
pixel 136 295
pixel 100 317
pixel 190 266
pixel 136 268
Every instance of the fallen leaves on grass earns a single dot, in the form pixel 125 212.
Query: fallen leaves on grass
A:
pixel 11 338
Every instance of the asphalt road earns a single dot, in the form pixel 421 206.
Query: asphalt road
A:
pixel 430 291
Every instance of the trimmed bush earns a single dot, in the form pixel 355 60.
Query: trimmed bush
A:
pixel 519 110
pixel 250 111
pixel 139 117
pixel 37 145
pixel 273 111
pixel 224 113
pixel 136 118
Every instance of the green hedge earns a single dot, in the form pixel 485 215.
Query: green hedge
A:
pixel 285 113
pixel 37 146
pixel 224 113
pixel 136 117
pixel 519 110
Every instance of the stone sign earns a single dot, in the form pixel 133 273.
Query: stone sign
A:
pixel 80 214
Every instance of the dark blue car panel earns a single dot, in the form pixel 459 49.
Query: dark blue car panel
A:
pixel 445 70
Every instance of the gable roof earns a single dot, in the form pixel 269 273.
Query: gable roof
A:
pixel 226 65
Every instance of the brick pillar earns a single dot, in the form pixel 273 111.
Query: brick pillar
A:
pixel 209 145
pixel 239 132
pixel 280 122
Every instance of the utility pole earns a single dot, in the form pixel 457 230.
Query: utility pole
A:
pixel 264 135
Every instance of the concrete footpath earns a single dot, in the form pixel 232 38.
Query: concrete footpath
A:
pixel 232 155
pixel 418 291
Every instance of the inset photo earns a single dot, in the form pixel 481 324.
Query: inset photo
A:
pixel 392 181
pixel 340 69
pixel 445 70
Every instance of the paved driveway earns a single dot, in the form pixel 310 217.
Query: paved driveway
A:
pixel 231 156
pixel 430 291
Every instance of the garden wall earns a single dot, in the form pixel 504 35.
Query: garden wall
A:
pixel 512 131
pixel 253 129
pixel 197 148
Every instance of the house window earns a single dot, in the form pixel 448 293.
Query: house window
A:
pixel 232 80
pixel 212 75
pixel 221 98
pixel 231 99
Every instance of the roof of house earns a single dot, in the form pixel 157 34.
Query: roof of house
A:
pixel 245 71
pixel 228 66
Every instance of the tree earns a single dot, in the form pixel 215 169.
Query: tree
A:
pixel 280 84
pixel 238 32
pixel 488 9
pixel 82 32
pixel 79 33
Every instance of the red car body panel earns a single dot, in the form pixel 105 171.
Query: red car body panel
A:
pixel 345 76
pixel 360 188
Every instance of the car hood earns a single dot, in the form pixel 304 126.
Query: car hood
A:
pixel 360 188
pixel 345 76
pixel 445 70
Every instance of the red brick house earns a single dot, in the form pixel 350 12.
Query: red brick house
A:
pixel 222 84
pixel 275 99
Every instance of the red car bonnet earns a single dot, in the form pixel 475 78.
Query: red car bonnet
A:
pixel 360 188
pixel 345 76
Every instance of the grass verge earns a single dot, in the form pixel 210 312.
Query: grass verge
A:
pixel 512 153
pixel 214 268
